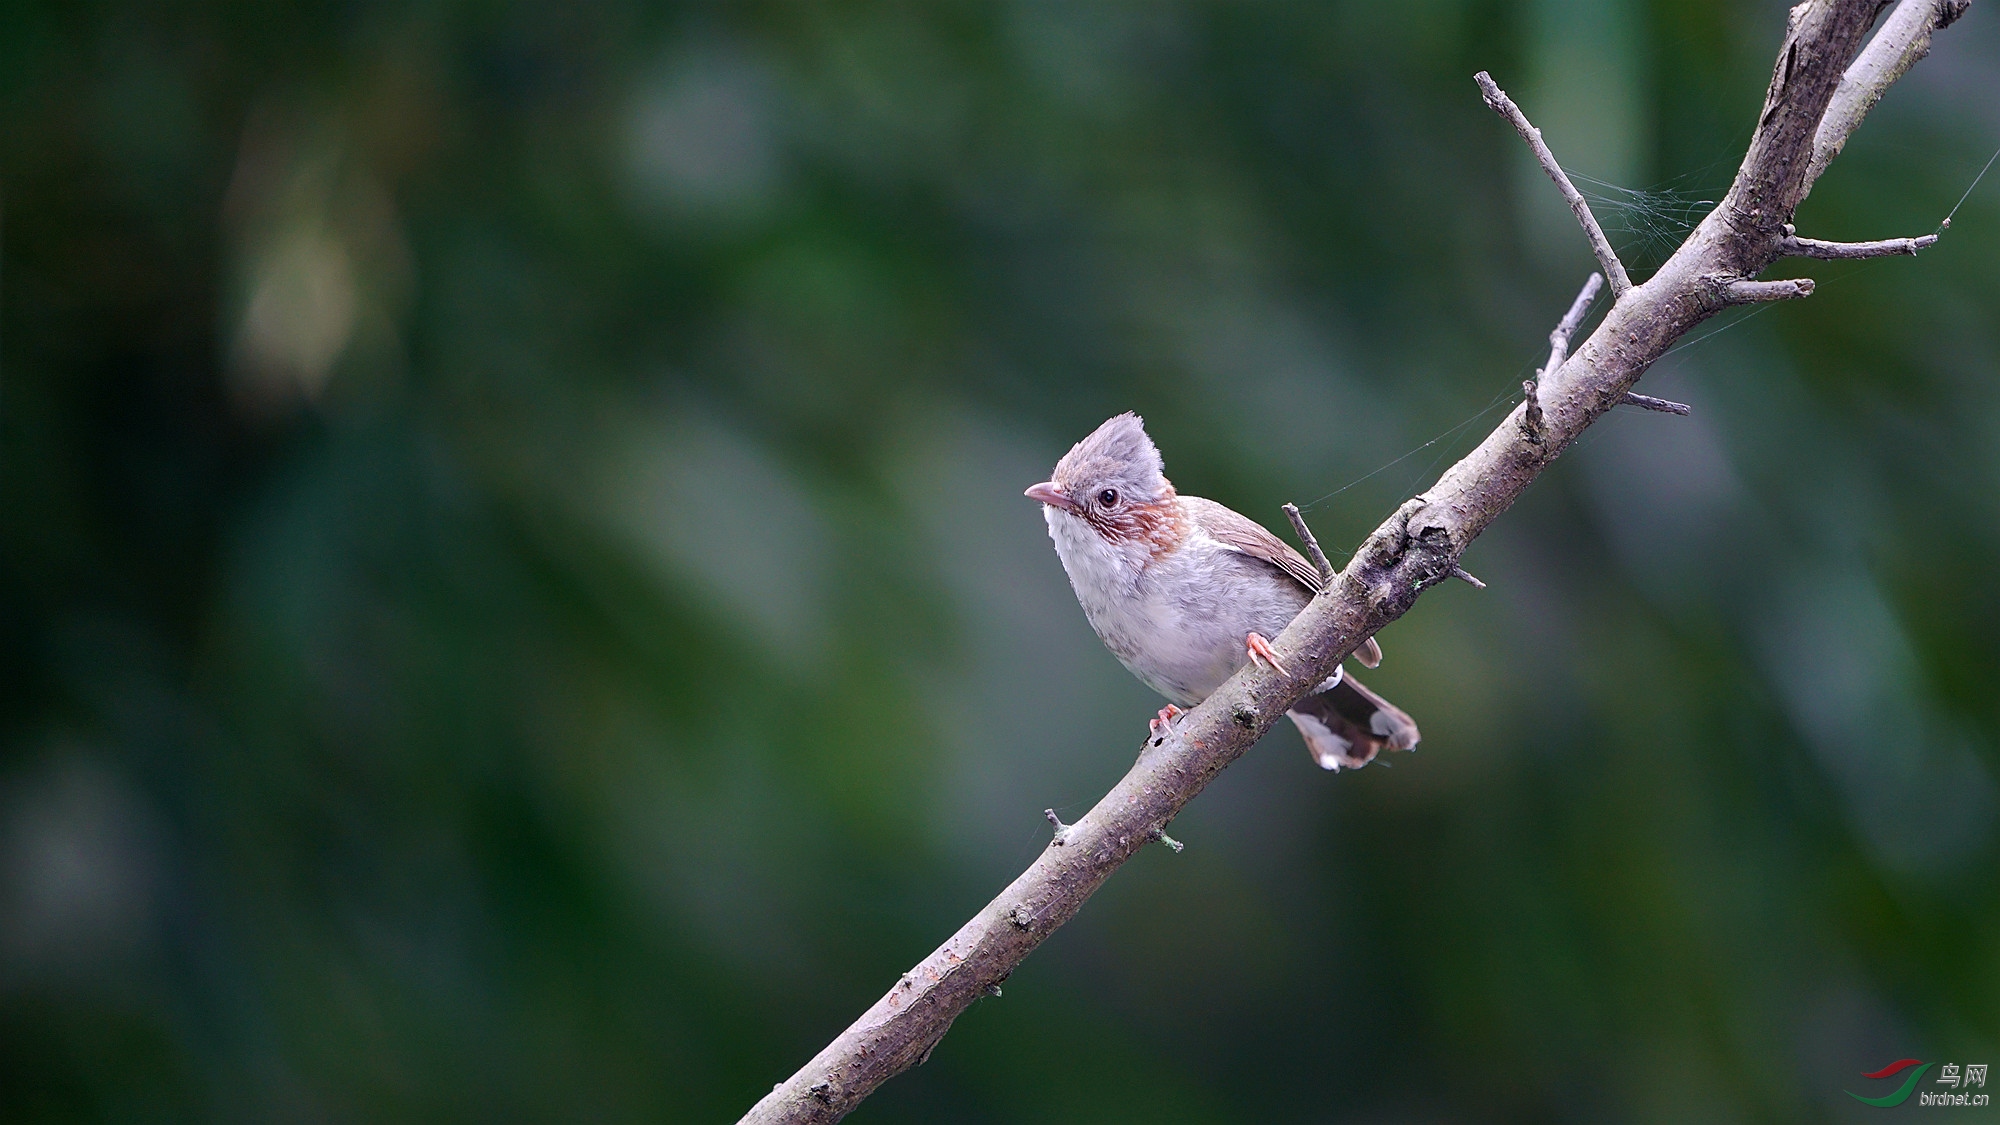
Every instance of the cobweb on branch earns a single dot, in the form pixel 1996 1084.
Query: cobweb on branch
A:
pixel 1653 221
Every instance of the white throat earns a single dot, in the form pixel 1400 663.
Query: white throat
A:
pixel 1099 570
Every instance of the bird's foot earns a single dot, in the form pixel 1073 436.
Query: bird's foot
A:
pixel 1163 723
pixel 1261 654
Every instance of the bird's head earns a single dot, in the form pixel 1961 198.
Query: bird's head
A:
pixel 1112 482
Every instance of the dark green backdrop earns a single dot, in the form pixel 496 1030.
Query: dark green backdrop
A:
pixel 518 603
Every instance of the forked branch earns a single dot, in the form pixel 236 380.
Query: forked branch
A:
pixel 1904 39
pixel 1531 407
pixel 1418 547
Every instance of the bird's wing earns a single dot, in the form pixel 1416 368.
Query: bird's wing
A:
pixel 1241 533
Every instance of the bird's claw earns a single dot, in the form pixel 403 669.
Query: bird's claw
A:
pixel 1162 723
pixel 1261 654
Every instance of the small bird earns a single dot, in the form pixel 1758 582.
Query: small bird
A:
pixel 1183 591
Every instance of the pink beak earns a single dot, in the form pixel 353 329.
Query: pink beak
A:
pixel 1050 493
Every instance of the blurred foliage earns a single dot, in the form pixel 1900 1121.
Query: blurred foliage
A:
pixel 518 603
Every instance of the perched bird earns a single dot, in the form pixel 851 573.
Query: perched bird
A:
pixel 1183 591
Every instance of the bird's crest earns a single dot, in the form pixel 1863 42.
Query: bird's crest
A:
pixel 1119 454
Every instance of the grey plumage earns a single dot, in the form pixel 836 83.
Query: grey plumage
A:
pixel 1174 584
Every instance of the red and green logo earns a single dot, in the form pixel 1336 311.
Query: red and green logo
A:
pixel 1902 1094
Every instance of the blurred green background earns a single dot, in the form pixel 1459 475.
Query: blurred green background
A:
pixel 518 603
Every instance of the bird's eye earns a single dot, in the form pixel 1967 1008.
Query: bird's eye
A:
pixel 1108 497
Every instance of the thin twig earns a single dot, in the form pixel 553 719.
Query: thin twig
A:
pixel 1464 575
pixel 1795 247
pixel 1313 552
pixel 1531 413
pixel 1599 245
pixel 1664 406
pixel 1410 552
pixel 1571 321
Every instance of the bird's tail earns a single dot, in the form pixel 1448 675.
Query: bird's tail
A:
pixel 1347 725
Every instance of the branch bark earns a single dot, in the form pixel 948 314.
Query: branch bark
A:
pixel 1796 247
pixel 1664 406
pixel 1531 403
pixel 1904 39
pixel 1751 292
pixel 1416 548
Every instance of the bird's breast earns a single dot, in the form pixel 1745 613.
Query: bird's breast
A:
pixel 1176 619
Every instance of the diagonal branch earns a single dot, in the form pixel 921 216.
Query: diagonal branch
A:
pixel 1531 410
pixel 1571 321
pixel 1311 541
pixel 1599 245
pixel 1418 547
pixel 1904 39
pixel 1821 39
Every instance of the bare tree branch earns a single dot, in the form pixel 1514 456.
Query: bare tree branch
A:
pixel 1751 292
pixel 1905 38
pixel 1796 247
pixel 1599 245
pixel 1571 321
pixel 1418 547
pixel 1664 406
pixel 1313 551
pixel 1531 411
